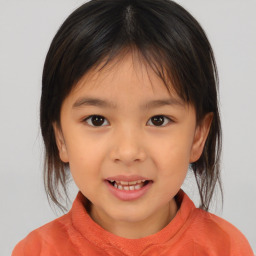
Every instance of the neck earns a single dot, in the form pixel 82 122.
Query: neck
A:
pixel 135 230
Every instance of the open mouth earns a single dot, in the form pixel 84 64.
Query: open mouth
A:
pixel 129 185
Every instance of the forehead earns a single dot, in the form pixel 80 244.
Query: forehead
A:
pixel 124 75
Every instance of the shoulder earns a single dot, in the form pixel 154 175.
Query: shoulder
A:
pixel 44 239
pixel 219 233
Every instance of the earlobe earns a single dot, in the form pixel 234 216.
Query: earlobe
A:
pixel 59 138
pixel 201 134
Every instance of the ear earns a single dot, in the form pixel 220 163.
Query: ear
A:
pixel 60 143
pixel 201 134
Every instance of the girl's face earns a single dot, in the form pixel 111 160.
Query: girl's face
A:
pixel 129 143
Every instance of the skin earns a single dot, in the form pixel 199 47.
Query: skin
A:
pixel 127 143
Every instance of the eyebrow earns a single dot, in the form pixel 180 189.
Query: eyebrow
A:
pixel 81 102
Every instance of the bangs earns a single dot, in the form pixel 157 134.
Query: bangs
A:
pixel 150 58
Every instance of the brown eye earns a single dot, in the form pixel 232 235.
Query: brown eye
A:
pixel 160 120
pixel 95 120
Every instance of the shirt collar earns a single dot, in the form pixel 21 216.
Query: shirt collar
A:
pixel 91 231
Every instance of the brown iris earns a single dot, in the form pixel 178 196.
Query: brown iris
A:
pixel 157 120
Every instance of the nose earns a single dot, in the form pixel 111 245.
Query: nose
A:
pixel 128 147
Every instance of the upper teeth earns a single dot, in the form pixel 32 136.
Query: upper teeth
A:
pixel 128 183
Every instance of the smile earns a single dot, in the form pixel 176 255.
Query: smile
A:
pixel 128 188
pixel 128 185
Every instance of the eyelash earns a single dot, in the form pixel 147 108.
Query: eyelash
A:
pixel 89 117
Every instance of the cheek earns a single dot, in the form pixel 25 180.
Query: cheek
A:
pixel 82 146
pixel 175 150
pixel 172 165
pixel 172 161
pixel 85 156
pixel 85 169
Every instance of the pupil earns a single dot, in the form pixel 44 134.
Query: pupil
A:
pixel 97 120
pixel 158 120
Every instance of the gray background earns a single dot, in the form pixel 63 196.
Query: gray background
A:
pixel 26 30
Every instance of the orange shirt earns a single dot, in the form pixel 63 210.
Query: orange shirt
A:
pixel 191 232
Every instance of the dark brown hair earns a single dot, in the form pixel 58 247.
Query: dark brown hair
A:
pixel 167 37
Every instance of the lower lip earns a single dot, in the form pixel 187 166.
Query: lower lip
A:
pixel 127 195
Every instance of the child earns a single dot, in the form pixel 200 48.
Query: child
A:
pixel 128 105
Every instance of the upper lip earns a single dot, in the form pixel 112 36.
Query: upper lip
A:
pixel 126 178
